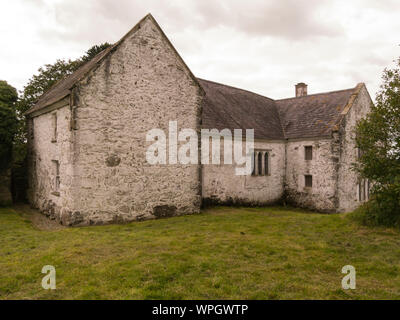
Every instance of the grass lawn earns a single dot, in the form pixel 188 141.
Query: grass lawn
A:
pixel 223 253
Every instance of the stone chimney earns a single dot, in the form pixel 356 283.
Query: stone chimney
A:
pixel 301 89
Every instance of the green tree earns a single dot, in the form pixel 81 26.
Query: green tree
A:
pixel 46 77
pixel 94 51
pixel 49 74
pixel 378 138
pixel 8 122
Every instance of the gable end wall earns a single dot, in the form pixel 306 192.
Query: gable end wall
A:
pixel 348 178
pixel 140 86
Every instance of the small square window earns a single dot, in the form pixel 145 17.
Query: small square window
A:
pixel 308 152
pixel 308 180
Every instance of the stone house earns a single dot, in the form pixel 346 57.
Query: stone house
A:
pixel 87 141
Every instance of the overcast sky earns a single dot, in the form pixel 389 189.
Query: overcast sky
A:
pixel 265 46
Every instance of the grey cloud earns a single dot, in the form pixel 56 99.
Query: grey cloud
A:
pixel 290 19
pixel 104 20
pixel 261 45
pixel 94 20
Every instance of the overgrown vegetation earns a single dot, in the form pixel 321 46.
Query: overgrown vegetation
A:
pixel 8 123
pixel 223 253
pixel 378 138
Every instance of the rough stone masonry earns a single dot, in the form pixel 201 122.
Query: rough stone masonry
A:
pixel 87 143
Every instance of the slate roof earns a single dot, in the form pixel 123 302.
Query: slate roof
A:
pixel 313 115
pixel 232 108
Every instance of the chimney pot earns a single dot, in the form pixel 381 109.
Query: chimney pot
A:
pixel 301 89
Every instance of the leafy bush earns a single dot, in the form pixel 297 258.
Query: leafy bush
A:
pixel 383 208
pixel 8 123
pixel 378 138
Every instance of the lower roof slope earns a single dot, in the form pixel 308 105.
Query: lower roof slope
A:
pixel 309 116
pixel 233 108
pixel 313 115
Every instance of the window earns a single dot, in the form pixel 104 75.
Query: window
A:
pixel 260 162
pixel 363 189
pixel 266 164
pixel 308 152
pixel 359 153
pixel 54 138
pixel 308 181
pixel 56 178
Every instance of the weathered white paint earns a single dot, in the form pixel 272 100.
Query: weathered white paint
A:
pixel 222 185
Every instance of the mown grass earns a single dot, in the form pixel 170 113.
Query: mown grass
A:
pixel 223 253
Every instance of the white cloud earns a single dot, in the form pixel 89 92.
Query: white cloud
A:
pixel 263 46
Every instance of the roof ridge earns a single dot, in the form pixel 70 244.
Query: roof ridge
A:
pixel 236 88
pixel 319 93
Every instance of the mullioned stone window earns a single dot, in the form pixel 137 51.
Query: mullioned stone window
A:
pixel 261 163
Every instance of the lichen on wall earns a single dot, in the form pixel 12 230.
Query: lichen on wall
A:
pixel 323 169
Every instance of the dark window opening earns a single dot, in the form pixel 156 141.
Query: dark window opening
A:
pixel 308 181
pixel 56 168
pixel 259 163
pixel 308 152
pixel 253 163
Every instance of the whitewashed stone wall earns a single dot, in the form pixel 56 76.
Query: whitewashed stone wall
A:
pixel 348 178
pixel 222 185
pixel 141 86
pixel 44 151
pixel 323 168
